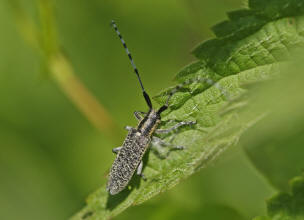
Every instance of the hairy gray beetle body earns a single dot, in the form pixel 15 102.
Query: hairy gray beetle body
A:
pixel 127 161
pixel 131 153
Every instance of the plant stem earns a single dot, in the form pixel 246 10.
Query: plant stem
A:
pixel 63 74
pixel 46 42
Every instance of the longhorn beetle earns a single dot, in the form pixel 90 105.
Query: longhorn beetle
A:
pixel 130 154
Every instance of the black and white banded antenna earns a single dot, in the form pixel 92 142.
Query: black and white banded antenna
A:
pixel 145 94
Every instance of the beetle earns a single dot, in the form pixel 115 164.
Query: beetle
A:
pixel 130 154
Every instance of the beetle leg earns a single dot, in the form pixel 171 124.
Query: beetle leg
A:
pixel 140 169
pixel 139 115
pixel 156 141
pixel 128 128
pixel 116 150
pixel 159 145
pixel 175 127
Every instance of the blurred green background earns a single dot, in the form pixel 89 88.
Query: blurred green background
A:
pixel 51 157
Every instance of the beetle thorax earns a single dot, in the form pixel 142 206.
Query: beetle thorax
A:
pixel 149 123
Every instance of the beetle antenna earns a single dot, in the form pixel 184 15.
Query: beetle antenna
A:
pixel 145 94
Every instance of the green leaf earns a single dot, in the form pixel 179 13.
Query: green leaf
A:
pixel 251 49
pixel 275 146
pixel 287 206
